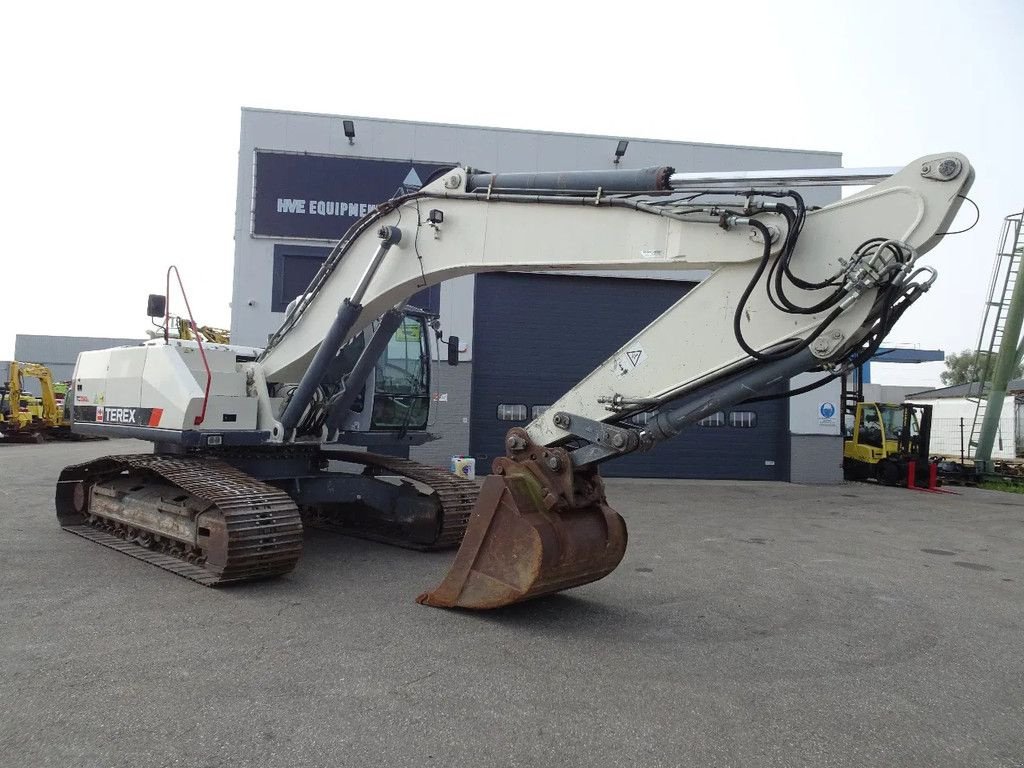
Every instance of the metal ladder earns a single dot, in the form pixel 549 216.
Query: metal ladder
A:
pixel 993 323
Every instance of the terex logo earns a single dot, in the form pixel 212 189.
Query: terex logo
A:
pixel 109 414
pixel 116 415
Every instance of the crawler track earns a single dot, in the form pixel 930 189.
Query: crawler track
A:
pixel 456 495
pixel 252 530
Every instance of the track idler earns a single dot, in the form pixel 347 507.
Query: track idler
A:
pixel 538 527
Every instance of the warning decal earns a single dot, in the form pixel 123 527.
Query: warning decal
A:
pixel 629 360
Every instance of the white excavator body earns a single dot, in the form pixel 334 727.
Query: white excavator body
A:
pixel 790 290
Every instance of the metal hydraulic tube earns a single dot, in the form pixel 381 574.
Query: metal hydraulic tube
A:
pixel 1008 355
pixel 348 314
pixel 808 177
pixel 354 381
pixel 676 414
pixel 665 178
pixel 639 180
pixel 753 383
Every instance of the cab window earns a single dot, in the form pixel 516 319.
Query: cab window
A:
pixel 870 427
pixel 402 382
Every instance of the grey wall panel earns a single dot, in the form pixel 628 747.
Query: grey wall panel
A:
pixel 816 412
pixel 542 334
pixel 55 350
pixel 816 459
pixel 449 415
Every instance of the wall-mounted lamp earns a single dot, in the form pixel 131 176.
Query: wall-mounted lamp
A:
pixel 620 150
pixel 350 130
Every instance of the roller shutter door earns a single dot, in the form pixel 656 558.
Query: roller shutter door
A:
pixel 535 336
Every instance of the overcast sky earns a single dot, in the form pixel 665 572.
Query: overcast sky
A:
pixel 121 122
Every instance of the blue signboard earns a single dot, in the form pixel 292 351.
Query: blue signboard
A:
pixel 321 196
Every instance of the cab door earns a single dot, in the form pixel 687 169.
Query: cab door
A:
pixel 868 444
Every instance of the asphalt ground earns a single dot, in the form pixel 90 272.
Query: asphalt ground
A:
pixel 750 624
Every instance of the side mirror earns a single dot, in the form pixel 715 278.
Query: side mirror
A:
pixel 156 306
pixel 453 350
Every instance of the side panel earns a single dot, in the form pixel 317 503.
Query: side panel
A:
pixel 161 387
pixel 570 324
pixel 816 459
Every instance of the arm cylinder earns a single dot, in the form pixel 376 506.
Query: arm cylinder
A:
pixel 356 378
pixel 348 313
pixel 637 180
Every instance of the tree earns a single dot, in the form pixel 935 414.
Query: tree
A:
pixel 961 368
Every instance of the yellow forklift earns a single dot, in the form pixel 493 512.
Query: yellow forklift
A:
pixel 885 440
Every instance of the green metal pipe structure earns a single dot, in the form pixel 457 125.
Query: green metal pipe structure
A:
pixel 1008 356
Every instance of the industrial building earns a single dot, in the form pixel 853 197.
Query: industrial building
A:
pixel 303 179
pixel 954 410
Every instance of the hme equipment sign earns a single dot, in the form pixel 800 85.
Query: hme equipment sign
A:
pixel 321 196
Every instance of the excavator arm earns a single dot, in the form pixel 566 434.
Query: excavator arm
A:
pixel 790 290
pixel 50 415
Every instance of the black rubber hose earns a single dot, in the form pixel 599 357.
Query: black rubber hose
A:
pixel 745 296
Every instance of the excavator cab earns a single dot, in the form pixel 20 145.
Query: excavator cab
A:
pixel 5 406
pixel 401 378
pixel 885 439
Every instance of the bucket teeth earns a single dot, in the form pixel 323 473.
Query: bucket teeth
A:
pixel 518 547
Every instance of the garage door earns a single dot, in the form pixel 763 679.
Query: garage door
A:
pixel 535 336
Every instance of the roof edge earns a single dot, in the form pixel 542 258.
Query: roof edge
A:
pixel 611 137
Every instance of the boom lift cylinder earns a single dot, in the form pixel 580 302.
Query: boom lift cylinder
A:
pixel 356 378
pixel 348 314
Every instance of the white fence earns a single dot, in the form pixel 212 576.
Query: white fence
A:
pixel 949 434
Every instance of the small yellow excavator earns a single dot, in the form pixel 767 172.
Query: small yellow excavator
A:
pixel 208 333
pixel 23 417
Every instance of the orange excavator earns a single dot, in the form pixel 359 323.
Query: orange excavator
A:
pixel 247 442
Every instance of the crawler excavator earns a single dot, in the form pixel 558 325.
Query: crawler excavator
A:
pixel 245 442
pixel 39 418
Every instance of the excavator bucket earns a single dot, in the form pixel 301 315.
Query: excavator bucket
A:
pixel 523 541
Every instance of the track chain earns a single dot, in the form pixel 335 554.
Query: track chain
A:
pixel 456 495
pixel 264 528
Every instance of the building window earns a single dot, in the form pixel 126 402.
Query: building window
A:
pixel 714 420
pixel 538 410
pixel 745 419
pixel 511 412
pixel 295 266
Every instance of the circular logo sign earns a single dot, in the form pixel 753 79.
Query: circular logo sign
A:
pixel 827 410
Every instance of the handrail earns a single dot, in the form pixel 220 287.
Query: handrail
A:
pixel 195 332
